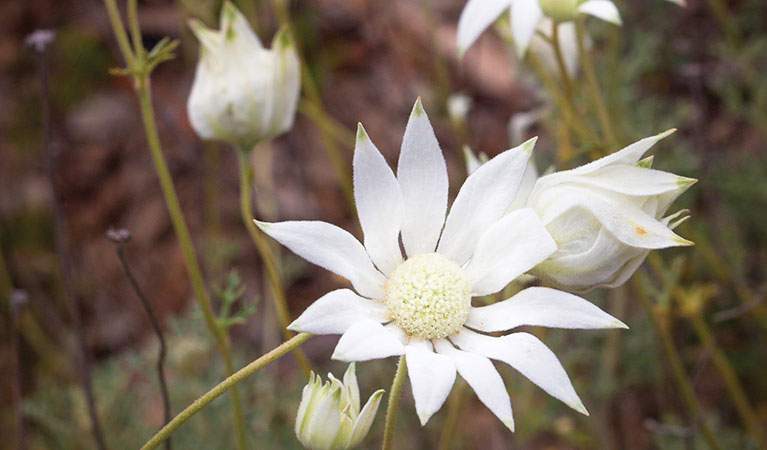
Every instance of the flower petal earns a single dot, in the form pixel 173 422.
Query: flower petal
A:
pixel 601 9
pixel 475 18
pixel 235 27
pixel 487 383
pixel 525 16
pixel 422 176
pixel 336 311
pixel 365 419
pixel 367 340
pixel 325 421
pixel 509 248
pixel 633 180
pixel 483 199
pixel 543 307
pixel 379 203
pixel 628 155
pixel 332 248
pixel 431 377
pixel 529 356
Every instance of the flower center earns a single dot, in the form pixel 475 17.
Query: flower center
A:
pixel 429 296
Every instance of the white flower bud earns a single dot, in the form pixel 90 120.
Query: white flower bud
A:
pixel 560 10
pixel 242 93
pixel 329 416
pixel 606 216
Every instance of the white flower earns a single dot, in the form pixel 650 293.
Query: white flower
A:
pixel 525 16
pixel 329 415
pixel 419 304
pixel 458 106
pixel 242 92
pixel 606 216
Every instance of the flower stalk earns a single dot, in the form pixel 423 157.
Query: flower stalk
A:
pixel 139 66
pixel 275 282
pixel 221 388
pixel 391 409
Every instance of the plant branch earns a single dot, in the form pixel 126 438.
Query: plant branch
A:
pixel 224 386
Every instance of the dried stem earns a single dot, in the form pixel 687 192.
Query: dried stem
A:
pixel 39 41
pixel 391 409
pixel 224 386
pixel 119 238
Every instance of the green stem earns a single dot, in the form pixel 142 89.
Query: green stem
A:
pixel 453 411
pixel 595 92
pixel 391 409
pixel 660 323
pixel 566 81
pixel 227 384
pixel 729 376
pixel 138 65
pixel 275 282
pixel 313 96
pixel 190 257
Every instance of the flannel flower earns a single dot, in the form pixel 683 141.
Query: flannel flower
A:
pixel 606 216
pixel 242 93
pixel 526 16
pixel 418 304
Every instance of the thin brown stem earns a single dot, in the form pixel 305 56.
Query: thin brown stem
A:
pixel 119 238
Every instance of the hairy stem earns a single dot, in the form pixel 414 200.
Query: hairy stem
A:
pixel 275 282
pixel 229 383
pixel 391 409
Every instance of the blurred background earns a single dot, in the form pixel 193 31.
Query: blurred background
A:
pixel 697 315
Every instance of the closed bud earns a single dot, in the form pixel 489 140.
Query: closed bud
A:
pixel 242 93
pixel 606 217
pixel 329 416
pixel 559 10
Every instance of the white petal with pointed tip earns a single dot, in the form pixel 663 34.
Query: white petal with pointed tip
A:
pixel 627 155
pixel 509 248
pixel 475 18
pixel 486 382
pixel 365 419
pixel 529 356
pixel 544 307
pixel 422 176
pixel 525 16
pixel 367 340
pixel 431 377
pixel 336 311
pixel 332 248
pixel 633 180
pixel 483 199
pixel 602 9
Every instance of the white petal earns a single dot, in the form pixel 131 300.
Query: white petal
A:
pixel 628 155
pixel 487 383
pixel 379 203
pixel 475 18
pixel 336 311
pixel 365 419
pixel 234 25
pixel 530 357
pixel 367 340
pixel 483 199
pixel 525 16
pixel 526 187
pixel 431 377
pixel 509 248
pixel 544 307
pixel 601 9
pixel 633 226
pixel 325 420
pixel 422 176
pixel 633 180
pixel 332 248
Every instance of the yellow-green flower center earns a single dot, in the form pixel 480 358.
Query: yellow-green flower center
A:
pixel 429 296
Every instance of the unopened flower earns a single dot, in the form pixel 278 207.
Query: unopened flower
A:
pixel 242 92
pixel 606 216
pixel 418 304
pixel 329 416
pixel 526 16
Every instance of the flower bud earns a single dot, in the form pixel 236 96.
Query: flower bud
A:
pixel 559 10
pixel 605 217
pixel 242 93
pixel 329 416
